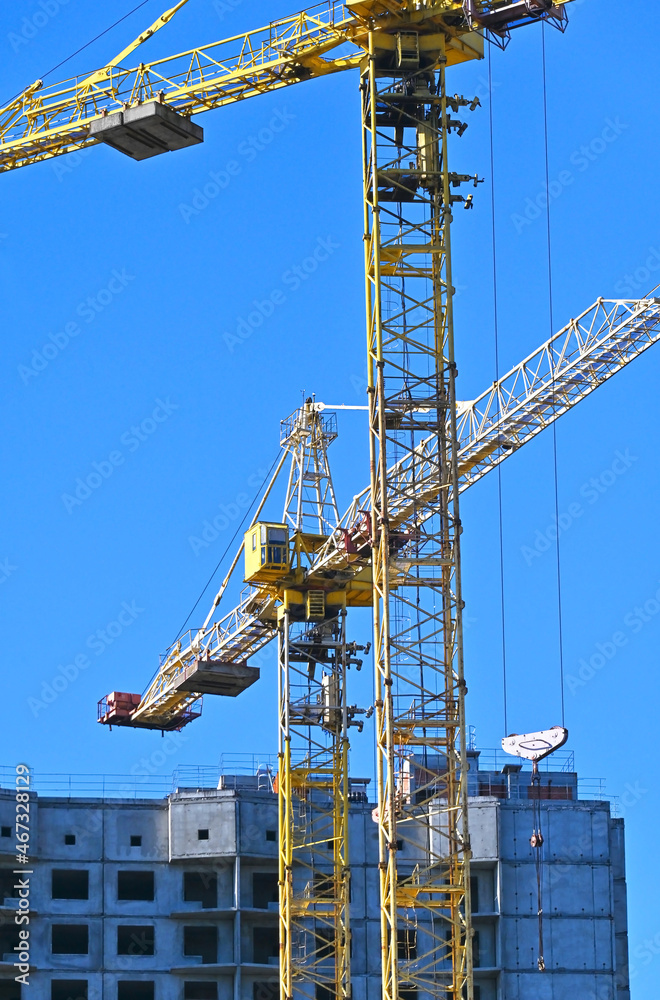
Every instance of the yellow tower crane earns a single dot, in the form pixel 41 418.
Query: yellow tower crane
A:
pixel 397 548
pixel 303 573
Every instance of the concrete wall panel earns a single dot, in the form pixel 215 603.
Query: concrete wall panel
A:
pixel 146 823
pixel 258 823
pixel 577 876
pixel 483 819
pixel 190 819
pixel 82 820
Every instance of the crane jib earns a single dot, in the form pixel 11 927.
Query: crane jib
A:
pixel 47 121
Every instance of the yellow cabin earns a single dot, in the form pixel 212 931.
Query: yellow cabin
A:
pixel 266 552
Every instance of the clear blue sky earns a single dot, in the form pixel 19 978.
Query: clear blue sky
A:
pixel 157 282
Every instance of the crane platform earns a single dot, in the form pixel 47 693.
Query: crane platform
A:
pixel 118 709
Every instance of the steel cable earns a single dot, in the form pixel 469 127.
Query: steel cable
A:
pixel 224 554
pixel 497 376
pixel 83 47
pixel 554 394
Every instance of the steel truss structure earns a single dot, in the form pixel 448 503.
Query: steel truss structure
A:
pixel 314 719
pixel 563 371
pixel 397 548
pixel 559 374
pixel 313 740
pixel 313 799
pixel 42 122
pixel 420 688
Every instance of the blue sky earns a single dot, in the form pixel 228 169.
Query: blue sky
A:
pixel 155 276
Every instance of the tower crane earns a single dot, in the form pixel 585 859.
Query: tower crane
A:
pixel 316 566
pixel 583 355
pixel 330 558
pixel 397 549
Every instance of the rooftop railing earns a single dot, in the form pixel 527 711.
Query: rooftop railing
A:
pixel 258 770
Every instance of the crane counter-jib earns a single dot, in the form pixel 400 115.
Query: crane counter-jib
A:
pixel 43 122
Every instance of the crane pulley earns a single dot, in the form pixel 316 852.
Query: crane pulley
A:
pixel 536 747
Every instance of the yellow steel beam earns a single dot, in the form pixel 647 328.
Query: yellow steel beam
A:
pixel 47 121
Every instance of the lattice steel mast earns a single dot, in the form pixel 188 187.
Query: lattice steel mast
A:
pixel 420 714
pixel 314 719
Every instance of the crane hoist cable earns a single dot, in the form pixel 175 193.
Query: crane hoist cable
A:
pixel 497 378
pixel 536 747
pixel 554 384
pixel 536 843
pixel 228 546
pixel 279 461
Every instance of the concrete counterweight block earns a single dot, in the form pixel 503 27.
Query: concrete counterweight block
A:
pixel 217 677
pixel 146 130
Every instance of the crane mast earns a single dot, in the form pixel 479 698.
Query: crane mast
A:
pixel 313 789
pixel 420 712
pixel 314 720
pixel 313 734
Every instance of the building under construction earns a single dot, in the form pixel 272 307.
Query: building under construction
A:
pixel 176 898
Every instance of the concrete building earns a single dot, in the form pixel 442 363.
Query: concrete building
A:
pixel 175 898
